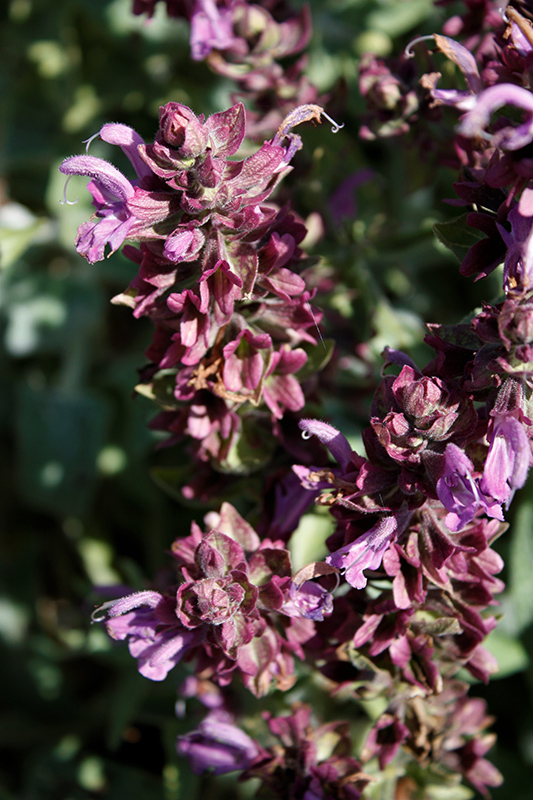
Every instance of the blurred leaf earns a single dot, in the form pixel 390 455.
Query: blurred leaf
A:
pixel 59 437
pixel 131 691
pixel 318 356
pixel 396 17
pixel 508 651
pixel 15 241
pixel 307 543
pixel 252 450
pixel 521 566
pixel 171 480
pixel 395 327
pixel 457 236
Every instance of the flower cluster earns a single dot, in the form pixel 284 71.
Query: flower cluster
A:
pixel 236 607
pixel 302 762
pixel 219 274
pixel 447 446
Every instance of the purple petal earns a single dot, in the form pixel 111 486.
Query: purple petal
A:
pixel 333 439
pixel 477 120
pixel 128 140
pixel 464 60
pixel 508 460
pixel 100 171
pixel 135 600
pixel 367 551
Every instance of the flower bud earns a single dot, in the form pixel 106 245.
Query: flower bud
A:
pixel 183 130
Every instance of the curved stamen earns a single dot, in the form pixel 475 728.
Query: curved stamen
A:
pixel 408 53
pixel 104 608
pixel 335 125
pixel 64 201
pixel 88 141
pixel 303 113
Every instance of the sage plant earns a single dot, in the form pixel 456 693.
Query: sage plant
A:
pixel 405 596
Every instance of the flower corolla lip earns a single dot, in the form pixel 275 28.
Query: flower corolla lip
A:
pixel 518 264
pixel 309 600
pixel 476 121
pixel 508 460
pixel 367 551
pixel 135 618
pixel 460 493
pixel 128 140
pixel 111 191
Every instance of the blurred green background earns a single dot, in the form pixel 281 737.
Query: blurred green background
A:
pixel 79 506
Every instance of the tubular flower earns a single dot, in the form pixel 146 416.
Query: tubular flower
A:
pixel 232 609
pixel 459 491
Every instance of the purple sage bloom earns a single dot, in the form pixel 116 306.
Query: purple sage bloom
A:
pixel 508 460
pixel 155 638
pixel 367 551
pixel 459 491
pixel 111 191
pixel 211 28
pixel 308 600
pixel 476 121
pixel 217 746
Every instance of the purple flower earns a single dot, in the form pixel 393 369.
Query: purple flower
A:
pixel 518 264
pixel 211 28
pixel 111 191
pixel 307 762
pixel 337 444
pixel 281 389
pixel 123 210
pixel 413 413
pixel 155 637
pixel 461 99
pixel 459 491
pixel 367 551
pixel 308 600
pixel 227 610
pixel 385 739
pixel 217 746
pixel 476 121
pixel 508 460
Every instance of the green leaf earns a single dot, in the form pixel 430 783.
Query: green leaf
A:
pixel 59 436
pixel 508 651
pixel 14 242
pixel 307 543
pixel 252 450
pixel 521 567
pixel 399 16
pixel 171 480
pixel 131 691
pixel 318 356
pixel 457 236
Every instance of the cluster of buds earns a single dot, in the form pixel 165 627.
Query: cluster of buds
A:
pixel 244 42
pixel 219 274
